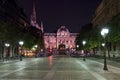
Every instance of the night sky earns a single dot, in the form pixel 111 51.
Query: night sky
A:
pixel 55 13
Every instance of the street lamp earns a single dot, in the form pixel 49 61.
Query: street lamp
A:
pixel 36 46
pixel 104 33
pixel 77 46
pixel 7 51
pixel 84 42
pixel 103 44
pixel 7 44
pixel 21 44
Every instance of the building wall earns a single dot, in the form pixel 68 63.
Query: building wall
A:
pixel 63 36
pixel 103 14
pixel 105 11
pixel 50 41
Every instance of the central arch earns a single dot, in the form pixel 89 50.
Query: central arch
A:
pixel 62 49
pixel 61 46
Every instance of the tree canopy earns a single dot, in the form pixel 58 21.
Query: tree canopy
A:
pixel 93 37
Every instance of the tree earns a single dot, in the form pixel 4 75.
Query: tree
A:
pixel 29 40
pixel 114 25
pixel 91 35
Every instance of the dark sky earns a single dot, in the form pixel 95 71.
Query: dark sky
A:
pixel 54 13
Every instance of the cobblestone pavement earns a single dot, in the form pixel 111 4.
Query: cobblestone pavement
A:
pixel 57 68
pixel 109 61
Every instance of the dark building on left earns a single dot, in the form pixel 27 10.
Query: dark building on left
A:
pixel 12 20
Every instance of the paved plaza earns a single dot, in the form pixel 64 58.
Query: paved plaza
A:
pixel 57 68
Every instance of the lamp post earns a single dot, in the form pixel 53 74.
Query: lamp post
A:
pixel 36 50
pixel 7 45
pixel 7 51
pixel 104 33
pixel 77 47
pixel 21 44
pixel 77 50
pixel 103 44
pixel 36 46
pixel 84 42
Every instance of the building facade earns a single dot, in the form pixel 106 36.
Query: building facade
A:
pixel 105 12
pixel 62 37
pixel 103 15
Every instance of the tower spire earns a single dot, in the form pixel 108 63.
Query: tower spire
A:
pixel 34 10
pixel 33 16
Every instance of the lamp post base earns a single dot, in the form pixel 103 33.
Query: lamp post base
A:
pixel 84 59
pixel 105 64
pixel 20 58
pixel 105 68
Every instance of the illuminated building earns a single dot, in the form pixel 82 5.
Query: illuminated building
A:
pixel 62 37
pixel 54 40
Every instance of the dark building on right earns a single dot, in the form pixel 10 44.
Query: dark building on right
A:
pixel 104 13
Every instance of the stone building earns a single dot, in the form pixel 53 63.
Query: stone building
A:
pixel 103 15
pixel 62 37
pixel 105 11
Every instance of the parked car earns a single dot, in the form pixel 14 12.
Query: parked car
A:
pixel 42 54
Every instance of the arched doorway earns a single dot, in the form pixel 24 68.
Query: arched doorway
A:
pixel 62 49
